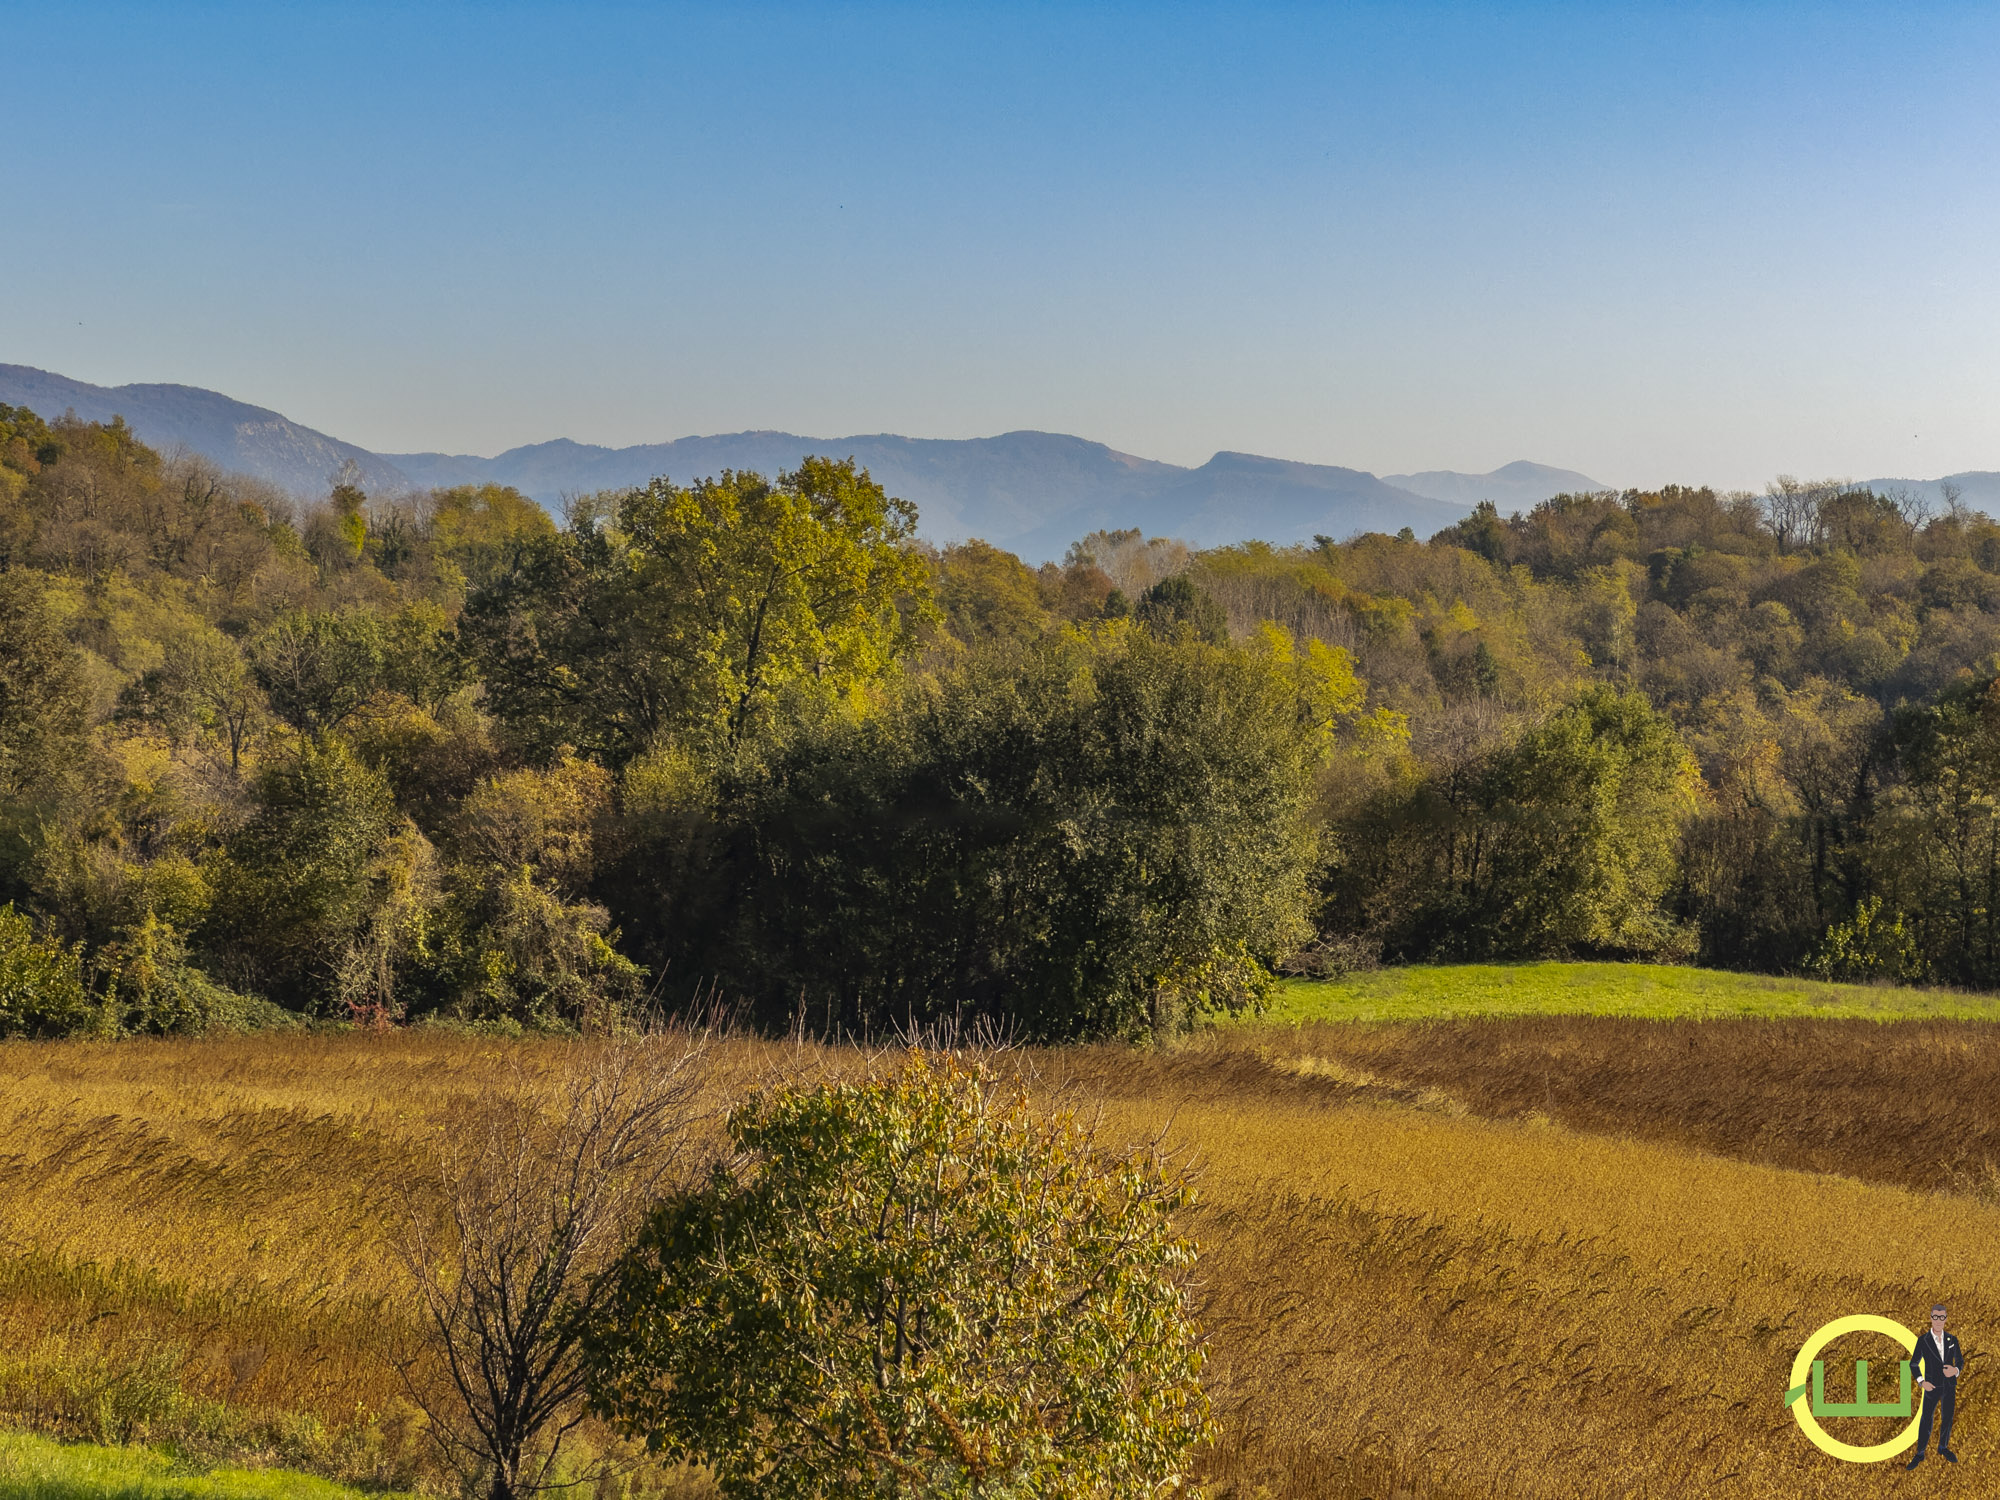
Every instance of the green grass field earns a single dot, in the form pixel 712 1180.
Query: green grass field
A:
pixel 37 1468
pixel 1651 991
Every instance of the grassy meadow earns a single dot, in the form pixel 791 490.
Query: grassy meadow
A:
pixel 1553 1241
pixel 1648 991
pixel 39 1468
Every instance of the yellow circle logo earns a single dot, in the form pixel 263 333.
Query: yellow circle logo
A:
pixel 1807 1364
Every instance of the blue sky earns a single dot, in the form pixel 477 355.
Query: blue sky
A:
pixel 1705 243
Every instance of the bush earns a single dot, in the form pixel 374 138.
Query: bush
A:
pixel 912 1285
pixel 149 987
pixel 1871 946
pixel 42 992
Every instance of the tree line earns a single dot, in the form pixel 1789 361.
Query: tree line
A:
pixel 748 742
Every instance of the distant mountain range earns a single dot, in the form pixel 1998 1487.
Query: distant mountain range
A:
pixel 1032 492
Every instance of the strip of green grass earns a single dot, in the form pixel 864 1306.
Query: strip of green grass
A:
pixel 1654 991
pixel 37 1468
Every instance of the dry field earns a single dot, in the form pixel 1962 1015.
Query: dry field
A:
pixel 1514 1257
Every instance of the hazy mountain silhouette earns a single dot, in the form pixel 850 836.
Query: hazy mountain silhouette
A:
pixel 993 487
pixel 1978 489
pixel 247 439
pixel 1517 486
pixel 1033 492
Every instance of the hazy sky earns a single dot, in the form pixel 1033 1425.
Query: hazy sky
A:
pixel 1706 243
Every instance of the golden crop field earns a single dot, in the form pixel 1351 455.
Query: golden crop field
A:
pixel 1534 1256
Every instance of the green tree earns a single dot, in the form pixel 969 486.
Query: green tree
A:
pixel 304 879
pixel 530 947
pixel 203 686
pixel 912 1286
pixel 1101 833
pixel 701 609
pixel 1929 851
pixel 474 526
pixel 987 594
pixel 44 695
pixel 317 667
pixel 1178 605
pixel 1564 842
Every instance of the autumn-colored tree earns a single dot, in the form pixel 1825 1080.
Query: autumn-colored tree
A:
pixel 700 609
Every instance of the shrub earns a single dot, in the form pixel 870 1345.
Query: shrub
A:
pixel 1871 946
pixel 42 992
pixel 148 986
pixel 912 1285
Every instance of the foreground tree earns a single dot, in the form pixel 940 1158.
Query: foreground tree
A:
pixel 509 1233
pixel 912 1286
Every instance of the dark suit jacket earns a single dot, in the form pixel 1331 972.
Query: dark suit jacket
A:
pixel 1925 1364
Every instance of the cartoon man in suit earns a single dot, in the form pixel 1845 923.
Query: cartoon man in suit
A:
pixel 1936 1362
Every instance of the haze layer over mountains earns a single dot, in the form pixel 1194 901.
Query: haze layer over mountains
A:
pixel 1031 492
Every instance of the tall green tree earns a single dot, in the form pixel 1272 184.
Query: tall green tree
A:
pixel 1929 856
pixel 988 594
pixel 1178 605
pixel 302 884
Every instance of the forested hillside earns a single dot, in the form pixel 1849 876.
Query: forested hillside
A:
pixel 748 744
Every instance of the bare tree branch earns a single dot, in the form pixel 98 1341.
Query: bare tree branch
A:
pixel 531 1194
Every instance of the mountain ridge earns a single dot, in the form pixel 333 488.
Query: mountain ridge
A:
pixel 1519 485
pixel 1032 492
pixel 247 439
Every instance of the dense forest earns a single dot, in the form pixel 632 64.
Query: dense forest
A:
pixel 748 745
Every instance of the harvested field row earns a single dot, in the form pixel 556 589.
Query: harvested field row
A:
pixel 1914 1103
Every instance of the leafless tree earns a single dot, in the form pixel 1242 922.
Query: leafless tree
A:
pixel 1915 506
pixel 1132 561
pixel 1794 506
pixel 531 1194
